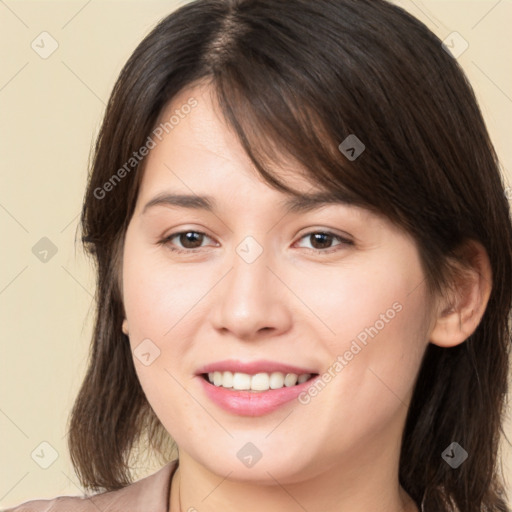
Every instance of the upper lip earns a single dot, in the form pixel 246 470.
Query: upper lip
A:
pixel 252 367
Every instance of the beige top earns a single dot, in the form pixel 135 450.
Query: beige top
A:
pixel 150 494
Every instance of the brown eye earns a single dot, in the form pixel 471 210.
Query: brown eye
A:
pixel 190 239
pixel 320 241
pixel 186 241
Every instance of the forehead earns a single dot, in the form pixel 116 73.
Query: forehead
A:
pixel 201 128
pixel 199 146
pixel 200 164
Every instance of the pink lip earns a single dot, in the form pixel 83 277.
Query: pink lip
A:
pixel 247 403
pixel 261 366
pixel 251 403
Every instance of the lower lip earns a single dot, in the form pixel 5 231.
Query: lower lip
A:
pixel 253 403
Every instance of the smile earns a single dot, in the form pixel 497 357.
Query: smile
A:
pixel 254 402
pixel 259 382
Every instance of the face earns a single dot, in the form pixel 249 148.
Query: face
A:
pixel 335 295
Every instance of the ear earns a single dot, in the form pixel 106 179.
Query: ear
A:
pixel 458 316
pixel 125 326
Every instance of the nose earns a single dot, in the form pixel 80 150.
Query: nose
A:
pixel 251 301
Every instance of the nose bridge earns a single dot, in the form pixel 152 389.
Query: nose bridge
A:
pixel 250 274
pixel 250 298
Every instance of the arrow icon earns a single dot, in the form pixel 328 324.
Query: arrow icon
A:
pixel 454 455
pixel 146 352
pixel 44 45
pixel 249 455
pixel 44 250
pixel 455 44
pixel 249 249
pixel 352 147
pixel 44 455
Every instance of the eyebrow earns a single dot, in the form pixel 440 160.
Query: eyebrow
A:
pixel 296 204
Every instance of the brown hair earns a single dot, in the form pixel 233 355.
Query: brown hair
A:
pixel 294 78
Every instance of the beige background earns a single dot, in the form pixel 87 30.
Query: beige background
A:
pixel 50 112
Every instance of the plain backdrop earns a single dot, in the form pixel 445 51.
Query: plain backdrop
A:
pixel 59 61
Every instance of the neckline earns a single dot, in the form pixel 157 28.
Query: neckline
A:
pixel 169 484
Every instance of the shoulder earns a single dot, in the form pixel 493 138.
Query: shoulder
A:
pixel 150 494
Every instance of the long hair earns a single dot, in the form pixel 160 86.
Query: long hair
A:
pixel 294 79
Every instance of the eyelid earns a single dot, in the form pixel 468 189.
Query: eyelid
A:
pixel 342 235
pixel 344 240
pixel 165 241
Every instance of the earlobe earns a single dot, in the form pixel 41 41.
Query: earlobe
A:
pixel 458 318
pixel 125 326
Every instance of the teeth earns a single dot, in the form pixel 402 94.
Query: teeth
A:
pixel 304 377
pixel 241 381
pixel 258 382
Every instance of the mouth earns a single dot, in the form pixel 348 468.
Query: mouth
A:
pixel 256 388
pixel 258 382
pixel 232 391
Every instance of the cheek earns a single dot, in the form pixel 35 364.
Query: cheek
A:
pixel 157 295
pixel 378 315
pixel 164 307
pixel 157 298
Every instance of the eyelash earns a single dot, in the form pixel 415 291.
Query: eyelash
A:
pixel 166 241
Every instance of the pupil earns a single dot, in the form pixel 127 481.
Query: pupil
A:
pixel 190 237
pixel 319 236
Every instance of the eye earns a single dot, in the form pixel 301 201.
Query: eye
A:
pixel 322 240
pixel 190 240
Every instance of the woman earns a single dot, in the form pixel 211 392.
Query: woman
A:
pixel 304 256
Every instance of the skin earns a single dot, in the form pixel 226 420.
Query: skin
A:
pixel 292 305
